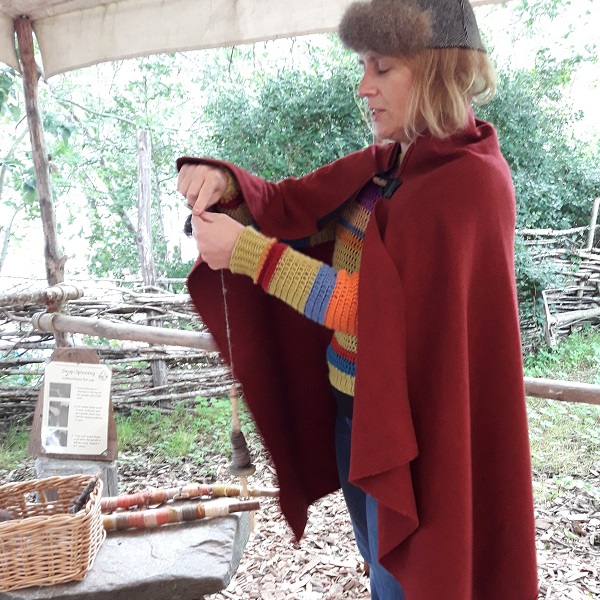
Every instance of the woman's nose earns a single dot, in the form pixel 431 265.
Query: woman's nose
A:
pixel 366 87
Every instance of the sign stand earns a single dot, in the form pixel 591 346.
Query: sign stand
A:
pixel 74 429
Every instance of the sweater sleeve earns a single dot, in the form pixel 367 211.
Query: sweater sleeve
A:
pixel 298 208
pixel 232 203
pixel 318 291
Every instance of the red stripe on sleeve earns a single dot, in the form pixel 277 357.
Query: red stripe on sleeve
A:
pixel 343 352
pixel 269 265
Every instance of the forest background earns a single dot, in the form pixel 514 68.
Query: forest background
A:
pixel 282 108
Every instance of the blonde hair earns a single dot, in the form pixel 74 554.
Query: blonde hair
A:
pixel 446 81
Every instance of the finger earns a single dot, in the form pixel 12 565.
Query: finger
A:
pixel 190 182
pixel 201 185
pixel 209 190
pixel 198 224
pixel 181 179
pixel 184 179
pixel 194 196
pixel 207 217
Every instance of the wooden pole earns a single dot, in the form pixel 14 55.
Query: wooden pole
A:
pixel 569 391
pixel 144 233
pixel 155 517
pixel 55 322
pixel 50 296
pixel 590 239
pixel 55 260
pixel 593 222
pixel 573 316
pixel 144 237
pixel 154 497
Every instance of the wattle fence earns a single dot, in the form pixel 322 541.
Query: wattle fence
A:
pixel 112 318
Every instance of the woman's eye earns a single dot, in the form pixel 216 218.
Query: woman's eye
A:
pixel 381 69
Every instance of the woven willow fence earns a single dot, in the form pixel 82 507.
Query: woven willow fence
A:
pixel 110 316
pixel 572 259
pixel 110 310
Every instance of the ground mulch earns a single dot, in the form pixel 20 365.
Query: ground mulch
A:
pixel 325 565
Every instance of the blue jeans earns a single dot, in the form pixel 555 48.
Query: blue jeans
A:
pixel 363 513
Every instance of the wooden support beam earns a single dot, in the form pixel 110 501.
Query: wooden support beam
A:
pixel 50 296
pixel 55 260
pixel 144 232
pixel 56 322
pixel 593 221
pixel 568 391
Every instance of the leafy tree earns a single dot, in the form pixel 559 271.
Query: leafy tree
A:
pixel 102 160
pixel 17 182
pixel 290 121
pixel 9 95
pixel 555 175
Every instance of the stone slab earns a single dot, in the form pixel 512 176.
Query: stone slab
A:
pixel 51 467
pixel 182 561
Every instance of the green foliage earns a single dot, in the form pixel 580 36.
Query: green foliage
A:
pixel 534 11
pixel 9 96
pixel 191 432
pixel 555 169
pixel 94 133
pixel 555 176
pixel 17 180
pixel 13 446
pixel 577 358
pixel 291 121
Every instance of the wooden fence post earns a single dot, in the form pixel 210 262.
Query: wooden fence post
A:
pixel 144 237
pixel 590 240
pixel 593 221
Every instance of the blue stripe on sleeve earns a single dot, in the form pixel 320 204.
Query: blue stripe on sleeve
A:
pixel 320 294
pixel 340 363
pixel 359 233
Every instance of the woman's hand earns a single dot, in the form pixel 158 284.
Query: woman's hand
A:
pixel 216 235
pixel 202 186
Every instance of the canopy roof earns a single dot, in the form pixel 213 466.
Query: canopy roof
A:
pixel 78 33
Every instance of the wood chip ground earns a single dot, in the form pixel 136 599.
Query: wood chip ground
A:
pixel 325 565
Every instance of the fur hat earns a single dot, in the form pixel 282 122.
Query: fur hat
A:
pixel 404 27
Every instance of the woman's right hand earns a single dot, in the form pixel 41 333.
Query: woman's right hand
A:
pixel 202 185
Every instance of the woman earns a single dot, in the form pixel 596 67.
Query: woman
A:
pixel 405 252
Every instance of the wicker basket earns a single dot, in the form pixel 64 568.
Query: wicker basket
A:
pixel 43 544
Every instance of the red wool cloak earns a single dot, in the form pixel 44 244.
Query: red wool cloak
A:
pixel 439 432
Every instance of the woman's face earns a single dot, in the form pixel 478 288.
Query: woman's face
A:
pixel 386 84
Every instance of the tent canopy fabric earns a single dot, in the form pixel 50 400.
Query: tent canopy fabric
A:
pixel 76 33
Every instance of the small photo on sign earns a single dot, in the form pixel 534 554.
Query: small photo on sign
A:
pixel 59 390
pixel 58 437
pixel 58 414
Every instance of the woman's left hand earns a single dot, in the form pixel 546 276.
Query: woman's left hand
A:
pixel 215 235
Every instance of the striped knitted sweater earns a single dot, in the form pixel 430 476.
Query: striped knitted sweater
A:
pixel 325 294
